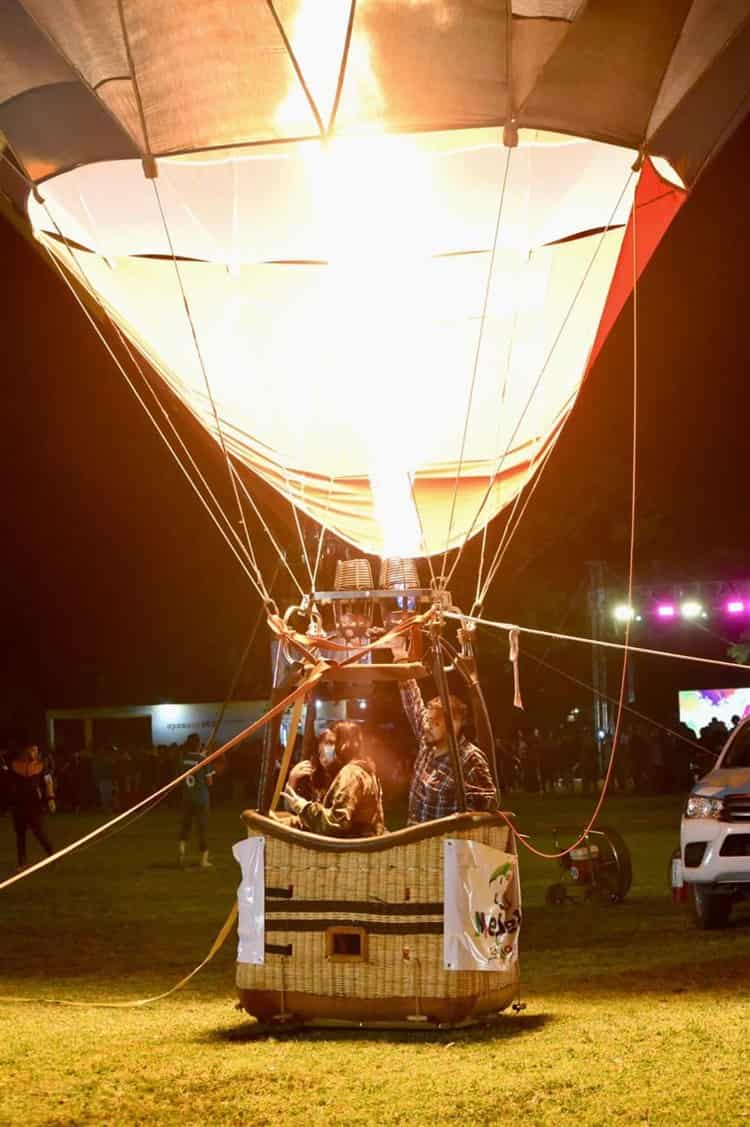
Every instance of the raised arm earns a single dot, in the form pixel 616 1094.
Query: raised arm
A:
pixel 413 703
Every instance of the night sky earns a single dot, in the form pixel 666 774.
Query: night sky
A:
pixel 117 589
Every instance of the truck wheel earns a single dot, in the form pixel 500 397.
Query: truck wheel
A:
pixel 711 910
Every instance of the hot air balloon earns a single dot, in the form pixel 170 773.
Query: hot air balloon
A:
pixel 374 246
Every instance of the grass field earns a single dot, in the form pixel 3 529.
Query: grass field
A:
pixel 633 1017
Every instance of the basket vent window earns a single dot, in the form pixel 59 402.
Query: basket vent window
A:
pixel 346 943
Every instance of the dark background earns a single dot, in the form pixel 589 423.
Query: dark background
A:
pixel 116 588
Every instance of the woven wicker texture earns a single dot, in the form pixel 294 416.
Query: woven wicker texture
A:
pixel 405 875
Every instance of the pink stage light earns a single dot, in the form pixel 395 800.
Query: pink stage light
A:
pixel 735 606
pixel 665 610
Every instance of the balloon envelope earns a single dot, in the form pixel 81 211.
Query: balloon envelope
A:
pixel 393 310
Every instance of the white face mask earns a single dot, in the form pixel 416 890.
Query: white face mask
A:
pixel 328 754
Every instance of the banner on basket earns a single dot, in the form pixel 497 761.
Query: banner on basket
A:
pixel 251 923
pixel 482 908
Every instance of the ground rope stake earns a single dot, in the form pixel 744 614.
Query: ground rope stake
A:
pixel 217 944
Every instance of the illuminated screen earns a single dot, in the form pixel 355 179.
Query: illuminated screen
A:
pixel 699 706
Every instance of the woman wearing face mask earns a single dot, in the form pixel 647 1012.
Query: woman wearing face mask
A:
pixel 353 804
pixel 312 776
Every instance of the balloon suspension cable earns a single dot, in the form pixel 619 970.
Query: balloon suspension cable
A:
pixel 480 570
pixel 342 69
pixel 321 538
pixel 423 539
pixel 626 648
pixel 322 533
pixel 500 462
pixel 238 550
pixel 167 417
pixel 295 513
pixel 204 372
pixel 510 529
pixel 496 625
pixel 297 68
pixel 477 355
pixel 81 273
pixel 283 561
pixel 149 165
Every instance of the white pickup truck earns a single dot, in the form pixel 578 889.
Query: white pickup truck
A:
pixel 715 833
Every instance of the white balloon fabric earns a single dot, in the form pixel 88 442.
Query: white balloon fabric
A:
pixel 399 224
pixel 393 329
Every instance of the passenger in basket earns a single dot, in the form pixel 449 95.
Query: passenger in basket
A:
pixel 353 804
pixel 312 777
pixel 432 793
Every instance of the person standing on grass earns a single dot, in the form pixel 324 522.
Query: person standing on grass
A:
pixel 31 793
pixel 195 800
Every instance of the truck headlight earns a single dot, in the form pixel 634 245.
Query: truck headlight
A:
pixel 700 806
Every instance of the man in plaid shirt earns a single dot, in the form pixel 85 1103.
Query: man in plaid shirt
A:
pixel 433 788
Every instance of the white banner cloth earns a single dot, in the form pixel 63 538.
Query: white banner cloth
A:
pixel 251 924
pixel 482 912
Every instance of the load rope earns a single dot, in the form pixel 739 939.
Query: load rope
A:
pixel 136 1003
pixel 595 641
pixel 315 671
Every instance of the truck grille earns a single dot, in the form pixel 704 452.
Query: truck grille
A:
pixel 736 845
pixel 736 808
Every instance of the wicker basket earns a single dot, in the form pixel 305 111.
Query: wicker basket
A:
pixel 354 930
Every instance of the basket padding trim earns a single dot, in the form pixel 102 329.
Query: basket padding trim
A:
pixel 449 826
pixel 368 908
pixel 374 927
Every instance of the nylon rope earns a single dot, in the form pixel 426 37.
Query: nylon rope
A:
pixel 477 353
pixel 534 389
pixel 594 641
pixel 204 372
pixel 216 946
pixel 313 676
pixel 243 562
pixel 314 673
